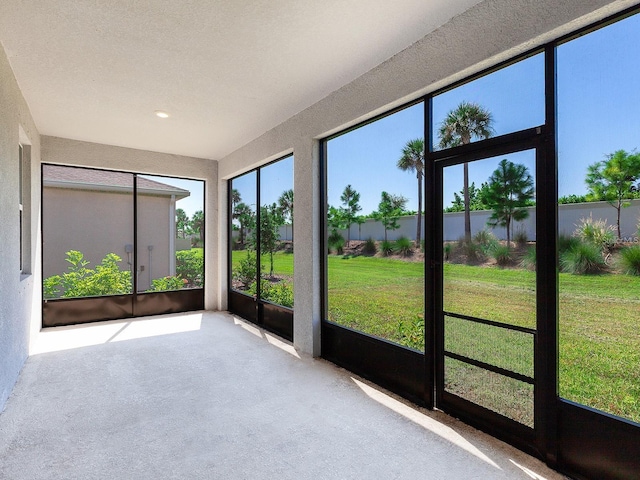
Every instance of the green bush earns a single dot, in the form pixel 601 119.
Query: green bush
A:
pixel 585 258
pixel 190 266
pixel 386 247
pixel 566 243
pixel 369 247
pixel 484 240
pixel 246 273
pixel 336 242
pixel 596 232
pixel 629 260
pixel 280 293
pixel 520 236
pixel 166 283
pixel 529 259
pixel 403 246
pixel 412 333
pixel 447 249
pixel 502 255
pixel 80 281
pixel 472 251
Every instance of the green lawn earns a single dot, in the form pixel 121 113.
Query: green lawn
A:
pixel 599 334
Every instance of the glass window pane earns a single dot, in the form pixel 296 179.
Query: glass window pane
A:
pixel 276 232
pixel 243 233
pixel 375 263
pixel 505 101
pixel 170 233
pixel 87 225
pixel 599 256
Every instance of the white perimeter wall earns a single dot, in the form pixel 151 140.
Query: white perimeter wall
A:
pixel 486 34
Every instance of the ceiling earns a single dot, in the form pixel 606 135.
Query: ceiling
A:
pixel 225 70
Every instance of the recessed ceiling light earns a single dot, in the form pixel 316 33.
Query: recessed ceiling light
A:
pixel 161 114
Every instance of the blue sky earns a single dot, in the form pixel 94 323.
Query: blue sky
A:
pixel 598 105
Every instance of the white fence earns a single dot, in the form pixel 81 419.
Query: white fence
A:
pixel 568 217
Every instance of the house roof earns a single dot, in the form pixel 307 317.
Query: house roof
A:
pixel 104 180
pixel 226 70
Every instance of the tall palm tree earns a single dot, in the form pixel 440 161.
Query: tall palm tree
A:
pixel 462 124
pixel 412 160
pixel 285 204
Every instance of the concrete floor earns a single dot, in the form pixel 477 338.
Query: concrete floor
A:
pixel 208 396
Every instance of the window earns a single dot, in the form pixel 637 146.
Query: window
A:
pixel 24 206
pixel 375 228
pixel 598 218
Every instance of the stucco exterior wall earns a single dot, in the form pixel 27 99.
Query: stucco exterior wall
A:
pixel 76 153
pixel 490 32
pixel 19 293
pixel 97 223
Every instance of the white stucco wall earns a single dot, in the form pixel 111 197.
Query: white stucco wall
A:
pixel 19 294
pixel 76 153
pixel 488 33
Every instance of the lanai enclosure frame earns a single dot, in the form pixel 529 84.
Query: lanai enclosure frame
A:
pixel 575 439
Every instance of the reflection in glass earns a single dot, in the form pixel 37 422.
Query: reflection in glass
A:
pixel 87 227
pixel 599 257
pixel 375 262
pixel 170 233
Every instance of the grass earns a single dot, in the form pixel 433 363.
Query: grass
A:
pixel 599 338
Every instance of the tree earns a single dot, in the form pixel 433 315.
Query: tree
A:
pixel 389 209
pixel 476 199
pixel 182 222
pixel 510 191
pixel 270 221
pixel 235 198
pixel 467 121
pixel 412 160
pixel 351 206
pixel 197 223
pixel 246 218
pixel 285 204
pixel 613 180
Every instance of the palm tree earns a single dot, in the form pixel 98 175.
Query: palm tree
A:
pixel 285 204
pixel 413 160
pixel 467 121
pixel 235 198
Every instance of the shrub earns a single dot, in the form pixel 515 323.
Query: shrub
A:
pixel 520 236
pixel 412 333
pixel 447 250
pixel 369 247
pixel 280 293
pixel 403 246
pixel 336 242
pixel 566 243
pixel 485 241
pixel 585 258
pixel 386 247
pixel 596 232
pixel 502 254
pixel 529 259
pixel 246 272
pixel 80 281
pixel 630 260
pixel 190 266
pixel 472 251
pixel 166 283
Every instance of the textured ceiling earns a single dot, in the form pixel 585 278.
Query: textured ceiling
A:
pixel 226 70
